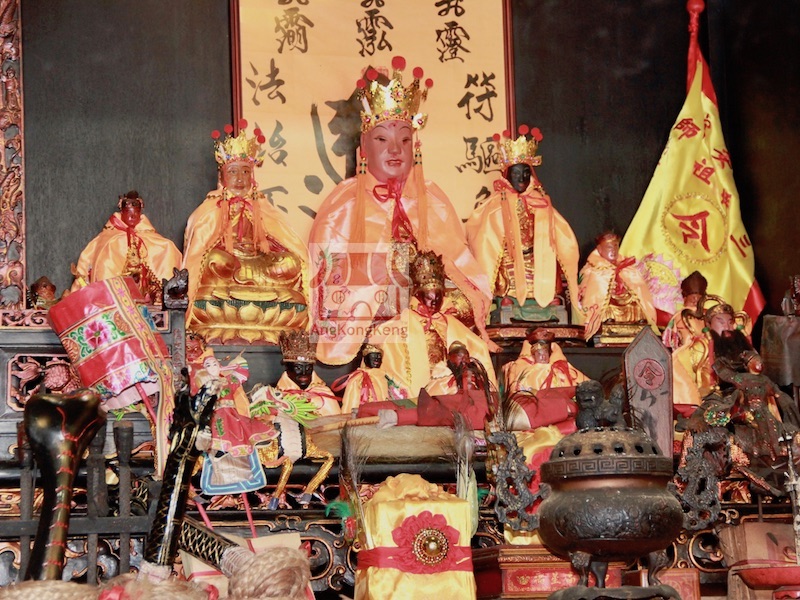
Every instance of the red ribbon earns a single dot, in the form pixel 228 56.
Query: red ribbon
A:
pixel 459 558
pixel 393 190
pixel 129 231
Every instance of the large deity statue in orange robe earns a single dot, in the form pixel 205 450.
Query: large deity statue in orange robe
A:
pixel 248 275
pixel 521 241
pixel 370 228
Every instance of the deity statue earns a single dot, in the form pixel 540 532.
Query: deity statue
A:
pixel 299 377
pixel 369 383
pixel 724 333
pixel 685 324
pixel 248 276
pixel 128 245
pixel 613 289
pixel 443 374
pixel 541 365
pixel 370 228
pixel 419 338
pixel 791 300
pixel 521 241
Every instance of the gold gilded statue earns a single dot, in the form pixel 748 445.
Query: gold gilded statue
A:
pixel 247 268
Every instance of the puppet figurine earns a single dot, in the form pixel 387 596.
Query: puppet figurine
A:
pixel 248 278
pixel 130 246
pixel 541 365
pixel 614 292
pixel 522 242
pixel 392 211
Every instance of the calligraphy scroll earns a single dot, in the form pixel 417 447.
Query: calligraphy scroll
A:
pixel 299 63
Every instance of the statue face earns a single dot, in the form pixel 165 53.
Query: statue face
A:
pixel 389 148
pixel 131 212
pixel 458 357
pixel 212 365
pixel 430 299
pixel 541 354
pixel 721 322
pixel 609 249
pixel 300 373
pixel 519 176
pixel 373 360
pixel 691 300
pixel 237 177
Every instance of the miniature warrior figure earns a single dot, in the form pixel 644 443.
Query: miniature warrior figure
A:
pixel 369 383
pixel 128 245
pixel 420 336
pixel 299 378
pixel 247 268
pixel 521 240
pixel 613 288
pixel 541 365
pixel 390 208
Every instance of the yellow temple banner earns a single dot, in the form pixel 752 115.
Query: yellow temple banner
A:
pixel 299 64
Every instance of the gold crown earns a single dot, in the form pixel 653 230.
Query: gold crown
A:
pixel 390 100
pixel 297 346
pixel 427 271
pixel 519 151
pixel 240 148
pixel 711 305
pixel 371 349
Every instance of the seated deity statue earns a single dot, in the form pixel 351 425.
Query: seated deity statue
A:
pixel 724 332
pixel 43 293
pixel 419 338
pixel 128 245
pixel 248 272
pixel 613 289
pixel 299 377
pixel 541 365
pixel 522 242
pixel 370 228
pixel 368 383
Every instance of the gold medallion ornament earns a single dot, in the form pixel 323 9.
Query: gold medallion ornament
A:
pixel 695 228
pixel 430 546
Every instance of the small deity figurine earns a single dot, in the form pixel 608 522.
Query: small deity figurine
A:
pixel 248 277
pixel 613 289
pixel 299 378
pixel 541 365
pixel 521 240
pixel 128 245
pixel 420 336
pixel 791 300
pixel 369 383
pixel 392 211
pixel 686 324
pixel 43 293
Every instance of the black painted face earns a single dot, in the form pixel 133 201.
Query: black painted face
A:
pixel 373 360
pixel 300 373
pixel 519 176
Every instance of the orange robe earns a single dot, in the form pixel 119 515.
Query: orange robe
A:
pixel 597 282
pixel 332 232
pixel 364 385
pixel 524 374
pixel 104 257
pixel 493 229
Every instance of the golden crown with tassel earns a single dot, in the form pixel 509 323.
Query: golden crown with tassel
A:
pixel 521 150
pixel 385 99
pixel 427 271
pixel 239 147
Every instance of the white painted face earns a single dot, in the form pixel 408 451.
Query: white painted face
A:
pixel 389 148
